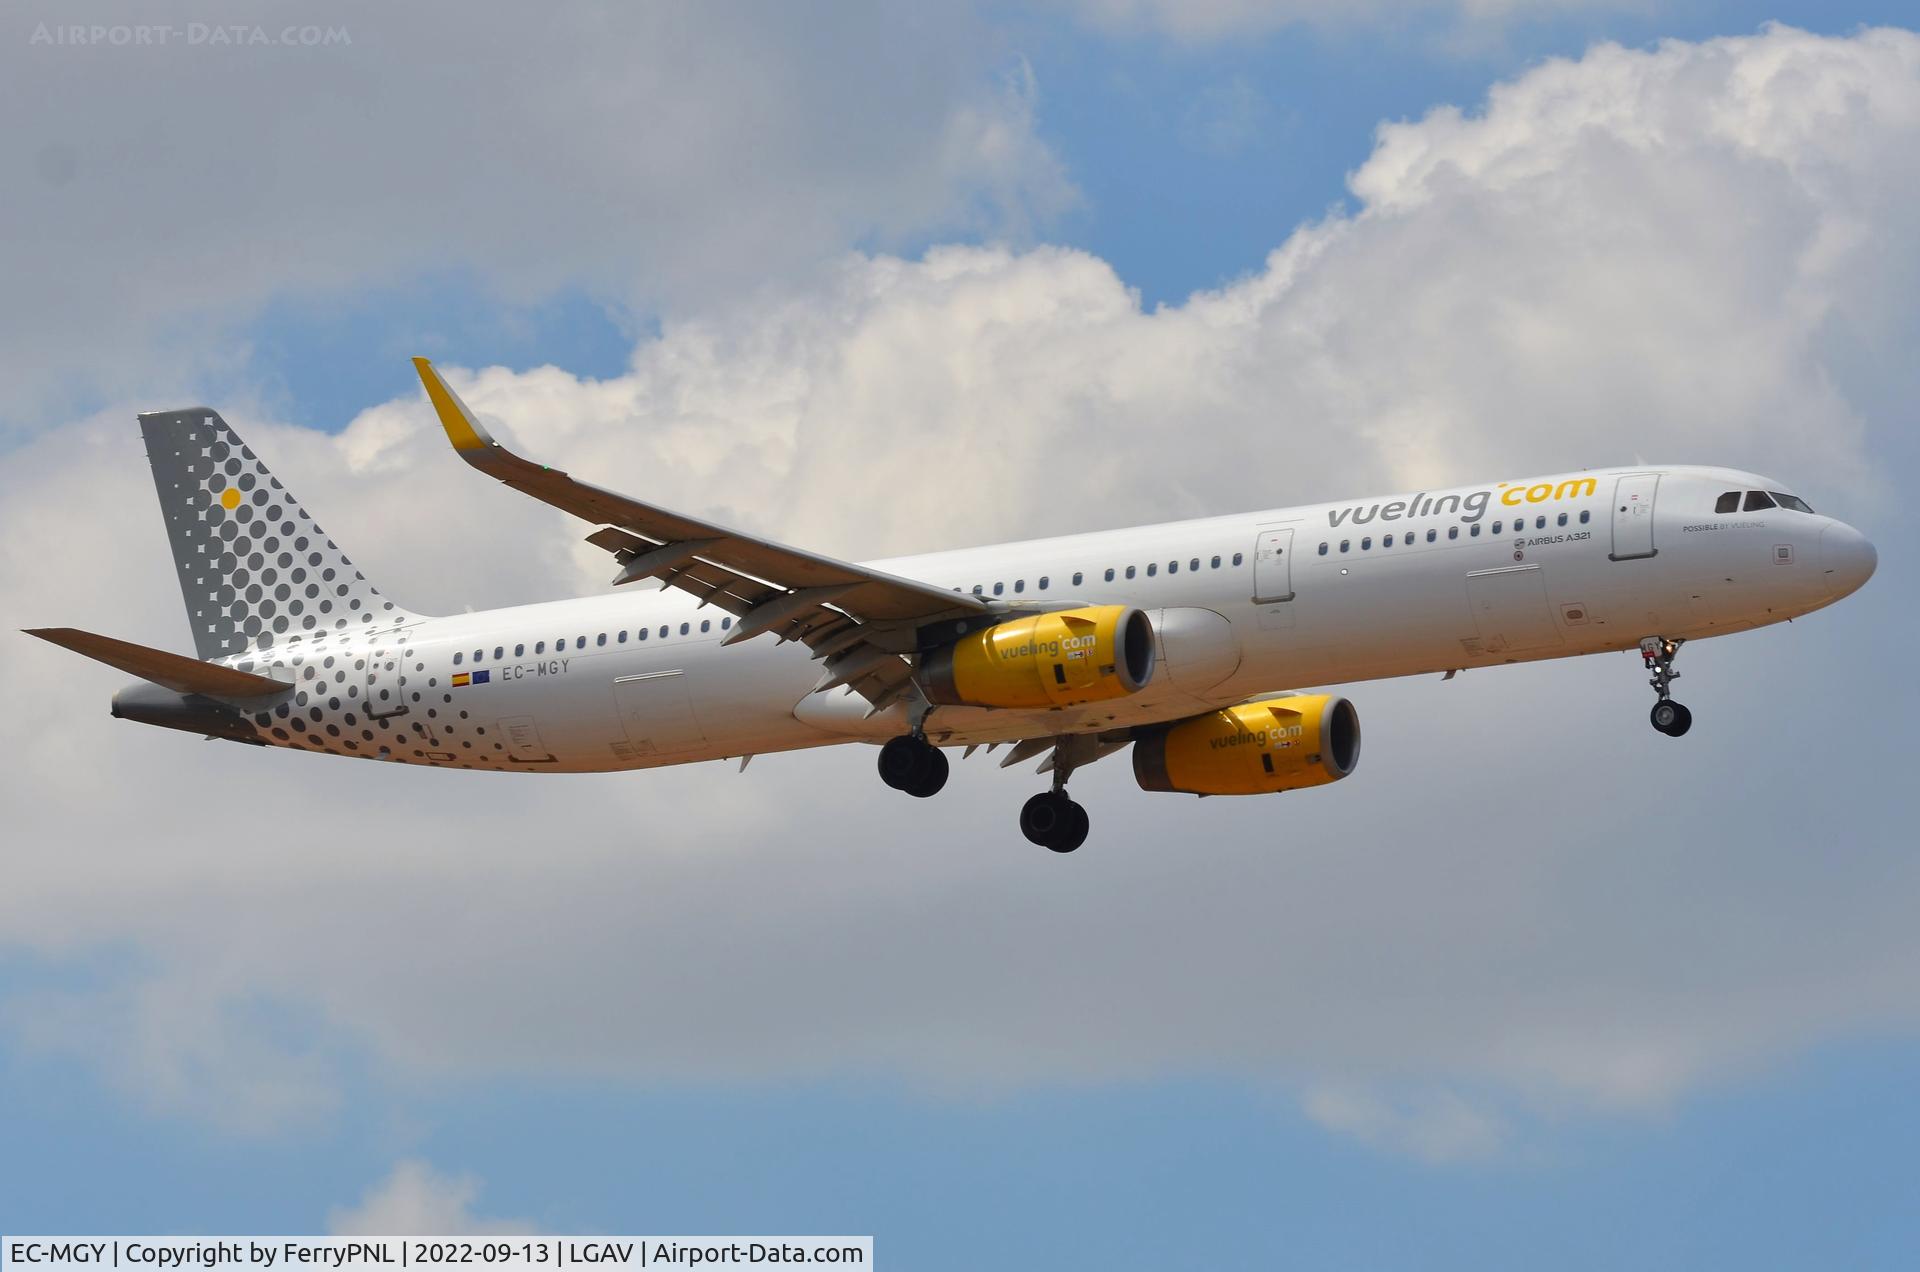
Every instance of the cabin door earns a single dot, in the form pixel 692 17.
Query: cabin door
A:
pixel 1633 516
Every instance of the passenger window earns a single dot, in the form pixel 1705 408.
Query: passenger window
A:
pixel 1345 544
pixel 1496 527
pixel 1729 502
pixel 540 647
pixel 1366 543
pixel 1109 574
pixel 1216 563
pixel 1153 568
pixel 1173 567
pixel 1323 552
pixel 998 588
pixel 979 589
pixel 622 637
pixel 1236 558
pixel 1129 571
pixel 1756 501
pixel 1078 577
pixel 479 656
pixel 1540 522
pixel 1194 564
pixel 663 631
pixel 1432 535
pixel 499 652
pixel 580 642
pixel 641 634
pixel 1387 542
pixel 1453 532
pixel 601 640
pixel 1043 582
pixel 685 628
pixel 725 623
pixel 706 624
pixel 1562 519
pixel 457 658
pixel 1475 532
pixel 1019 585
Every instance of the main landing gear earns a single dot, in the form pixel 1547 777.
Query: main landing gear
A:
pixel 1668 716
pixel 914 765
pixel 1052 820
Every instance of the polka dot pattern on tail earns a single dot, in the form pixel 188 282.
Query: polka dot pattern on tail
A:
pixel 256 570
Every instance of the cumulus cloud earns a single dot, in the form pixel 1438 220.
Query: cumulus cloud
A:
pixel 418 1201
pixel 1197 21
pixel 1699 252
pixel 643 154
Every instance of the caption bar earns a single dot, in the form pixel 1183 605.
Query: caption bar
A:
pixel 298 1254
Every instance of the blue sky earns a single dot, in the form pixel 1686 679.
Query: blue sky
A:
pixel 1189 161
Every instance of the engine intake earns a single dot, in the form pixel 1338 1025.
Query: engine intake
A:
pixel 1256 748
pixel 1060 659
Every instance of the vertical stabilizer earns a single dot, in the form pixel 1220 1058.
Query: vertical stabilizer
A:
pixel 255 568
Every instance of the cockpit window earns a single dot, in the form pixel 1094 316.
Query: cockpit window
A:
pixel 1756 500
pixel 1794 502
pixel 1729 502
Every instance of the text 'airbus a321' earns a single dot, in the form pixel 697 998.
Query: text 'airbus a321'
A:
pixel 1185 640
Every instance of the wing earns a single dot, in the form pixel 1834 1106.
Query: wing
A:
pixel 857 621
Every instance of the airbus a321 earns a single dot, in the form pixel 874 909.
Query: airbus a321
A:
pixel 1187 641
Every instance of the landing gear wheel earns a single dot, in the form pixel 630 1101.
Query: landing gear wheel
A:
pixel 907 762
pixel 1054 821
pixel 935 776
pixel 1671 718
pixel 1668 716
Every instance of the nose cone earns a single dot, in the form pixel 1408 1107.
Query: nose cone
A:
pixel 1847 560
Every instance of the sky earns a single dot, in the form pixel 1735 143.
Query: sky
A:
pixel 1535 986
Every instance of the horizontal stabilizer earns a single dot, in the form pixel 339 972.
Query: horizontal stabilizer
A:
pixel 170 671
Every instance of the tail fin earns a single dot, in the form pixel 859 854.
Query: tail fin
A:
pixel 255 568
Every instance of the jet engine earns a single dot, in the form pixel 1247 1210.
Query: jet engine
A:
pixel 1059 659
pixel 1277 744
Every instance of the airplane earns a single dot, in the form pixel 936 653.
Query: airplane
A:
pixel 1189 641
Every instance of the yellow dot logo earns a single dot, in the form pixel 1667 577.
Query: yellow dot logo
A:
pixel 230 498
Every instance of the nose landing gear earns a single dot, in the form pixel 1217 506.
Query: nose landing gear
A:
pixel 1667 716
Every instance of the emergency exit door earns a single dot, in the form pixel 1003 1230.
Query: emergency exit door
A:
pixel 1273 566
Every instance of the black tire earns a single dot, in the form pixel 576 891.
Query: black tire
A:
pixel 1665 712
pixel 934 777
pixel 1073 832
pixel 1682 721
pixel 904 762
pixel 1043 816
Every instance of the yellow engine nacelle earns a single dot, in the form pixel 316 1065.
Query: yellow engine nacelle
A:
pixel 1256 748
pixel 1060 659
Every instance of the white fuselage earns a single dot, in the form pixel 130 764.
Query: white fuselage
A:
pixel 1576 563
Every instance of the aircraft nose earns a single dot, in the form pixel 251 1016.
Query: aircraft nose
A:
pixel 1846 558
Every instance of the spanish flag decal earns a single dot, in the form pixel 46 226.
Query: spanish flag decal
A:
pixel 461 679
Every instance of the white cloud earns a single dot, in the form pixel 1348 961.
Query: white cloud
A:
pixel 418 1201
pixel 1439 1129
pixel 1699 252
pixel 1200 21
pixel 641 153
